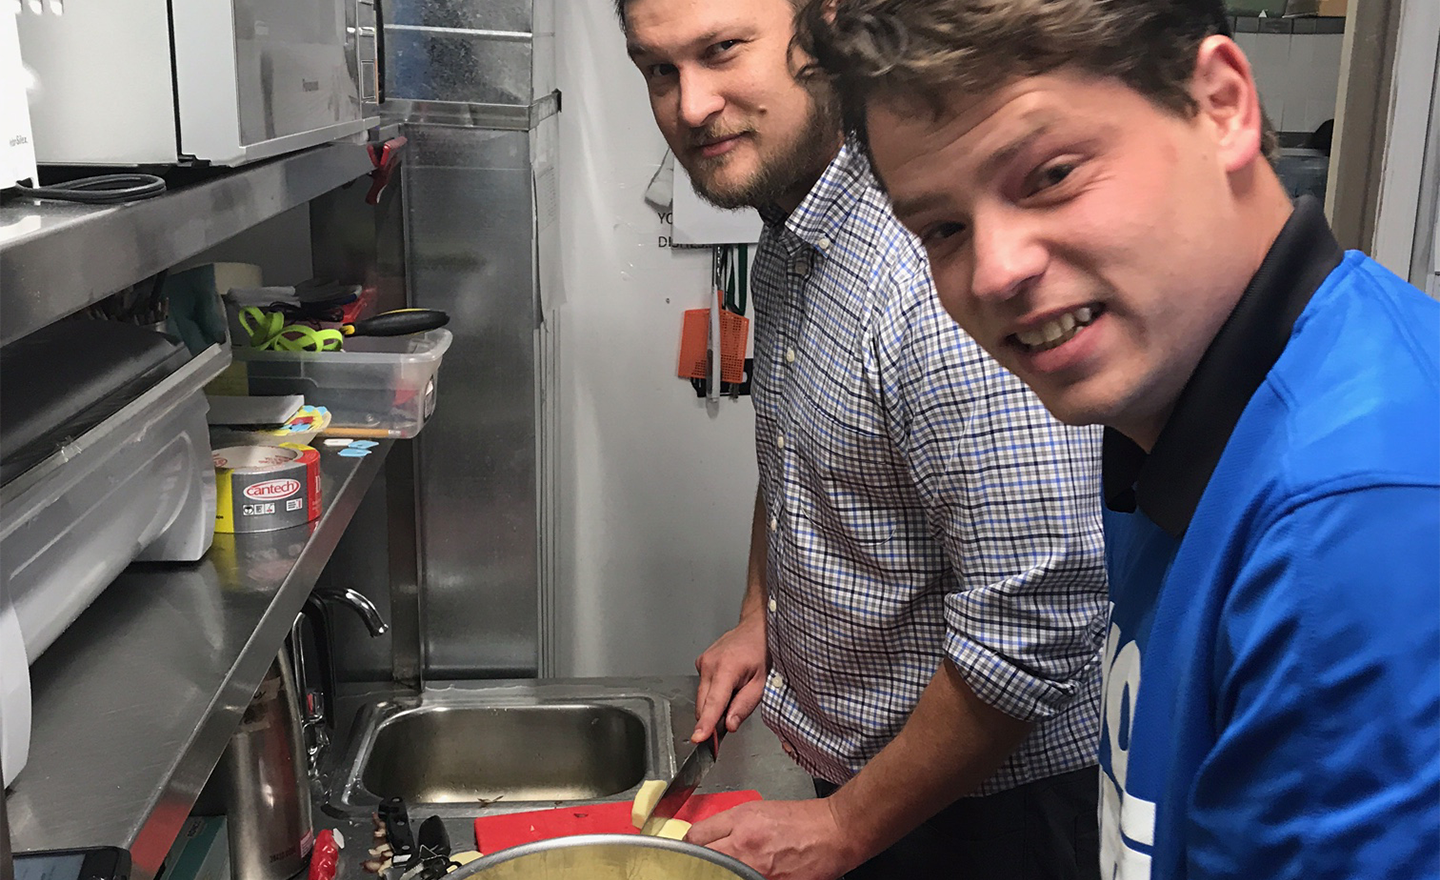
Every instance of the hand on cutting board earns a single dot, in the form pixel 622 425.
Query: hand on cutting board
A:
pixel 732 673
pixel 784 840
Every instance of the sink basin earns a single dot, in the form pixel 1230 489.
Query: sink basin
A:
pixel 461 751
pixel 452 754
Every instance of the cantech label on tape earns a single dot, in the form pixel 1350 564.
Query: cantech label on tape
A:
pixel 263 488
pixel 273 489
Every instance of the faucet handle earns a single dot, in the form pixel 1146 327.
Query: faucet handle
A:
pixel 313 728
pixel 312 706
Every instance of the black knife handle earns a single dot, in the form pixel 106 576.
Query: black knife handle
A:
pixel 398 323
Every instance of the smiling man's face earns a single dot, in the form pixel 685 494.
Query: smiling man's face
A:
pixel 1086 237
pixel 724 94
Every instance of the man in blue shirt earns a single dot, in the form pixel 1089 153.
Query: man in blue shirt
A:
pixel 1089 179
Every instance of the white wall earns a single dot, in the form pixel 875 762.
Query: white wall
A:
pixel 655 487
pixel 1406 216
pixel 1298 76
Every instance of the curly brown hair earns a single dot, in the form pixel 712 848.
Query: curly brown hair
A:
pixel 931 49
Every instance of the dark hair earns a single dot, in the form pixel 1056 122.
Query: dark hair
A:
pixel 621 4
pixel 929 49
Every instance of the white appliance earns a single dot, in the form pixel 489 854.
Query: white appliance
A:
pixel 17 164
pixel 14 694
pixel 17 147
pixel 223 82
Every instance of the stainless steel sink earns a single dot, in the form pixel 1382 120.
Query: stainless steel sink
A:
pixel 461 751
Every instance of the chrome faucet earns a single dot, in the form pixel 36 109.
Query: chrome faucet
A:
pixel 317 704
pixel 369 615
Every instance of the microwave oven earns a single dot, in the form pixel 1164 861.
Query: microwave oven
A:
pixel 218 82
pixel 17 147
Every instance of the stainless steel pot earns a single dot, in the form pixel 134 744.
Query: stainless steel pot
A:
pixel 265 784
pixel 607 857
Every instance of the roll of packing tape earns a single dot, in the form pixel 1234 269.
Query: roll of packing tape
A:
pixel 264 488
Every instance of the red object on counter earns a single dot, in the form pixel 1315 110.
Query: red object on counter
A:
pixel 325 858
pixel 494 833
pixel 384 159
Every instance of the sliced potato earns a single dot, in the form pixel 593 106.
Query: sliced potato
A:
pixel 674 829
pixel 645 800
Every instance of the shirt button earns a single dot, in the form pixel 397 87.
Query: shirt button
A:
pixel 776 681
pixel 774 523
pixel 780 442
pixel 789 355
pixel 823 243
pixel 771 605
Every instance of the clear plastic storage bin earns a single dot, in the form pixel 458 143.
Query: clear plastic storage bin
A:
pixel 376 386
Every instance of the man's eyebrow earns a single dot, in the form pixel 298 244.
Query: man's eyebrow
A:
pixel 909 207
pixel 635 49
pixel 1003 156
pixel 919 204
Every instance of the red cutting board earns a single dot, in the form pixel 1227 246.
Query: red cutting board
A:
pixel 494 833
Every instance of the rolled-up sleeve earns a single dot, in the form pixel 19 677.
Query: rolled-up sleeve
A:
pixel 1013 496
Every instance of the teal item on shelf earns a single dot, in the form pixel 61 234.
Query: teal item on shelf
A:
pixel 201 851
pixel 196 313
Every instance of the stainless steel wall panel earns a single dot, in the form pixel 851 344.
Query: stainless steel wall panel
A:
pixel 544 29
pixel 505 15
pixel 477 51
pixel 496 117
pixel 470 235
pixel 443 66
pixel 543 52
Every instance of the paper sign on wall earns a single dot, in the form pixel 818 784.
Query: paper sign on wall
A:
pixel 697 222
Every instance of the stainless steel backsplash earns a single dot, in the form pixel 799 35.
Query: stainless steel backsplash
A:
pixel 471 51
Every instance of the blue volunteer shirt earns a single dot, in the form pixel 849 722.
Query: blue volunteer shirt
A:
pixel 1272 672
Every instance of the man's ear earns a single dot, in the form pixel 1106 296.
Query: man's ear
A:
pixel 1223 87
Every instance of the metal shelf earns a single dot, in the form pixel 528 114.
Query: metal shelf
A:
pixel 136 701
pixel 56 259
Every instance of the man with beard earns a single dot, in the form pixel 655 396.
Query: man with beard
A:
pixel 925 599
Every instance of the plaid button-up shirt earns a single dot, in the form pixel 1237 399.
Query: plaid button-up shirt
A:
pixel 921 502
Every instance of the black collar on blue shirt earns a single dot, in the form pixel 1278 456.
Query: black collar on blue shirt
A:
pixel 1167 484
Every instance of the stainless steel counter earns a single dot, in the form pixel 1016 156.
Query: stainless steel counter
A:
pixel 135 702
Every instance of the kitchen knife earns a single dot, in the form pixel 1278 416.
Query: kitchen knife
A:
pixel 687 779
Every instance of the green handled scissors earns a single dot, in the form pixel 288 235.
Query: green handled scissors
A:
pixel 269 332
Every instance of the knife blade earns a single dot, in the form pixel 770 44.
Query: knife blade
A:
pixel 692 771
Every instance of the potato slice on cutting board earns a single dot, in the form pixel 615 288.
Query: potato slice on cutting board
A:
pixel 674 829
pixel 645 800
